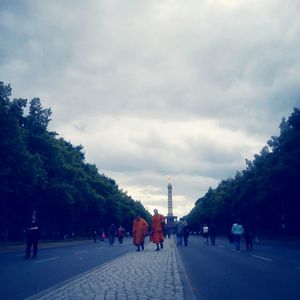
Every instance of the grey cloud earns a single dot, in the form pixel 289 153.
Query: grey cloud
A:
pixel 99 64
pixel 196 162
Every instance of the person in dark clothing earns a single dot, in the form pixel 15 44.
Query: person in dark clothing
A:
pixel 248 236
pixel 32 237
pixel 212 233
pixel 111 234
pixel 186 233
pixel 95 236
pixel 167 232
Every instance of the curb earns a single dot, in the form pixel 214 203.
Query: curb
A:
pixel 187 288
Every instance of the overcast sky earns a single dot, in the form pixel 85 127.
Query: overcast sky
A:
pixel 152 89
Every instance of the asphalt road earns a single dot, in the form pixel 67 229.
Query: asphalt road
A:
pixel 21 278
pixel 270 272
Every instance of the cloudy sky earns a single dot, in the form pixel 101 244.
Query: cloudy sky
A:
pixel 153 89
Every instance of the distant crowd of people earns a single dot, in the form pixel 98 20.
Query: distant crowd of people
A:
pixel 235 236
pixel 157 233
pixel 140 230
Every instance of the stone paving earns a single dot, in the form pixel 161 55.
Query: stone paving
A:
pixel 141 275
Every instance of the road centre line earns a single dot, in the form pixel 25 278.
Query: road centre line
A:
pixel 46 259
pixel 263 258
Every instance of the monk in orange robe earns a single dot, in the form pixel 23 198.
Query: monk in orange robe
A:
pixel 158 222
pixel 139 231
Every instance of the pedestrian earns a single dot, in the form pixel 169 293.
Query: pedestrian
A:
pixel 111 234
pixel 179 232
pixel 95 236
pixel 205 233
pixel 120 234
pixel 32 237
pixel 248 236
pixel 101 235
pixel 212 233
pixel 167 231
pixel 157 235
pixel 139 231
pixel 186 233
pixel 237 231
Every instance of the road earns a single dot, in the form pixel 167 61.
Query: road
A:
pixel 21 278
pixel 270 272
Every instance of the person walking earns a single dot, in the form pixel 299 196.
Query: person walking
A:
pixel 186 233
pixel 95 236
pixel 205 233
pixel 111 234
pixel 139 231
pixel 248 236
pixel 179 232
pixel 237 231
pixel 212 233
pixel 101 235
pixel 157 236
pixel 167 232
pixel 120 234
pixel 32 237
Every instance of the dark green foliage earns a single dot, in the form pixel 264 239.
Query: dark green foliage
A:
pixel 265 196
pixel 39 171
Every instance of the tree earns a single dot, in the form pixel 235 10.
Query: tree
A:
pixel 265 195
pixel 39 171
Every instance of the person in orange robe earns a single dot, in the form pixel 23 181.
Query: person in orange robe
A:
pixel 158 222
pixel 139 231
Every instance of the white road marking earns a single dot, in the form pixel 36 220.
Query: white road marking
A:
pixel 263 258
pixel 80 252
pixel 46 259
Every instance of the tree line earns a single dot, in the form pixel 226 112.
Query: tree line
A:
pixel 43 172
pixel 265 196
